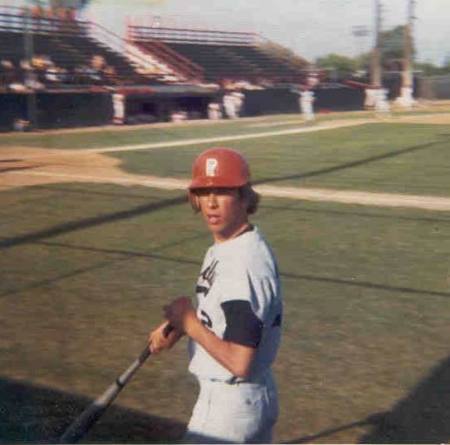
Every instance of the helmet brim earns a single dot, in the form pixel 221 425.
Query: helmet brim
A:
pixel 203 182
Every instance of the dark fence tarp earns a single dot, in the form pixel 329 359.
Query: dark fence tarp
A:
pixel 56 110
pixel 338 98
pixel 12 107
pixel 286 100
pixel 73 110
pixel 270 101
pixel 434 87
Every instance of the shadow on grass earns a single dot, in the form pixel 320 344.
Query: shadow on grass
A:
pixel 181 260
pixel 423 416
pixel 365 284
pixel 349 213
pixel 348 165
pixel 38 414
pixel 83 189
pixel 86 223
pixel 124 253
pixel 370 420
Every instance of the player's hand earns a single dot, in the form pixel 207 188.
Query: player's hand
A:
pixel 162 338
pixel 180 314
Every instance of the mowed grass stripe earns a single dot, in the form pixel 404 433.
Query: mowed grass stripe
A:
pixel 381 158
pixel 309 194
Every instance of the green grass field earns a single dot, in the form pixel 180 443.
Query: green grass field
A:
pixel 86 269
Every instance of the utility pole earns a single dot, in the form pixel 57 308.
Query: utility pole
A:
pixel 408 47
pixel 376 95
pixel 375 69
pixel 406 94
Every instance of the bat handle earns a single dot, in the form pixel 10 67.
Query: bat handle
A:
pixel 168 329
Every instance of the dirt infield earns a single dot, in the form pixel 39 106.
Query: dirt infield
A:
pixel 22 167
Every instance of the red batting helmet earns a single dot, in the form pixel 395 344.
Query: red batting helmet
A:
pixel 219 167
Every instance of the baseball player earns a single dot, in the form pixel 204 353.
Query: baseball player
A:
pixel 234 332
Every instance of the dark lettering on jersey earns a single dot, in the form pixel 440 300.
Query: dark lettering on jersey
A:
pixel 207 279
pixel 201 290
pixel 205 319
pixel 210 272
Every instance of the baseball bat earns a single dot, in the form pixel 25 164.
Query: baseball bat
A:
pixel 81 425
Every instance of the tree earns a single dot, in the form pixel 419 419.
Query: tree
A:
pixel 340 66
pixel 393 47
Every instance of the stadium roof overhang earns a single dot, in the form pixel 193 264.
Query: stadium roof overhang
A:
pixel 168 91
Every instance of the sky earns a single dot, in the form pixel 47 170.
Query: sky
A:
pixel 312 28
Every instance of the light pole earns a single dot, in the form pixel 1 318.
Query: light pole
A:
pixel 359 32
pixel 406 99
pixel 375 68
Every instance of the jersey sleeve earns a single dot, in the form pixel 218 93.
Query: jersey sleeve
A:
pixel 242 325
pixel 245 300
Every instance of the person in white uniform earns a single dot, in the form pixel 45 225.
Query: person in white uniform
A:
pixel 234 332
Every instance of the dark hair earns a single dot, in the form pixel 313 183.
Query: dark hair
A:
pixel 246 193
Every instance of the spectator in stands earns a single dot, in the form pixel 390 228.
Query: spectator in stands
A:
pixel 39 62
pixel 37 13
pixel 81 74
pixel 31 80
pixel 52 74
pixel 98 62
pixel 71 14
pixel 61 13
pixel 109 74
pixel 87 74
pixel 50 16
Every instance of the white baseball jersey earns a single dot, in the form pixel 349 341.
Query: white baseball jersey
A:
pixel 239 299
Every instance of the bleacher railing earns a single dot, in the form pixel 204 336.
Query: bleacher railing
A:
pixel 168 55
pixel 180 35
pixel 117 44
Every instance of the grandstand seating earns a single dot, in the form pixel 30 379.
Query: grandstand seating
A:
pixel 69 48
pixel 220 55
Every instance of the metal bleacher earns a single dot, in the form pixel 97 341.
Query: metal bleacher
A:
pixel 71 47
pixel 219 55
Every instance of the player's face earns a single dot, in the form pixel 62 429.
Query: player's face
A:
pixel 224 211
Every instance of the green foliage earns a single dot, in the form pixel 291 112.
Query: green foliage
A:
pixel 392 43
pixel 428 69
pixel 343 66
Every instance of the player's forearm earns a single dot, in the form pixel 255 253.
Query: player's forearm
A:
pixel 236 358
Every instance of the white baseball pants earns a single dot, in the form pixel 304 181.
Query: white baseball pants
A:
pixel 234 413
